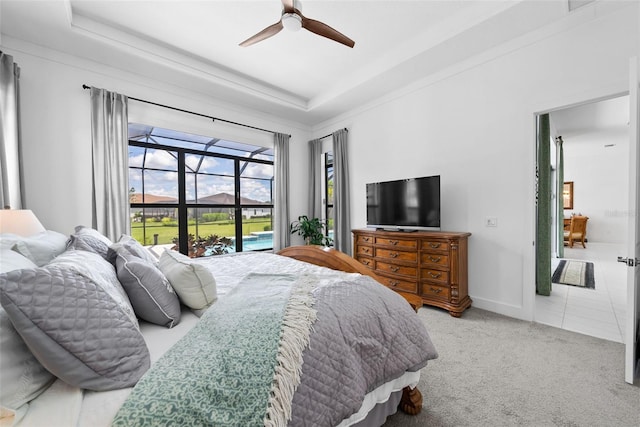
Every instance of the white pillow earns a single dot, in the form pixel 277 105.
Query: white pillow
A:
pixel 23 378
pixel 7 240
pixel 193 283
pixel 12 260
pixel 42 247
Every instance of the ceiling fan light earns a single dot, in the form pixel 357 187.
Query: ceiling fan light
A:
pixel 291 21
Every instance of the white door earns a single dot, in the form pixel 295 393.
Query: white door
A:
pixel 633 247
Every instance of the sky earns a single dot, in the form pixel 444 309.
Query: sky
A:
pixel 215 175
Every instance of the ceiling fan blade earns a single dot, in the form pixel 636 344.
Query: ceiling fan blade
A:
pixel 288 6
pixel 324 30
pixel 270 31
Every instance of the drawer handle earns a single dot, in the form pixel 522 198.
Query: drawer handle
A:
pixel 365 261
pixel 394 268
pixel 436 290
pixel 433 275
pixel 365 250
pixel 434 245
pixel 393 242
pixel 394 283
pixel 393 254
pixel 366 239
pixel 435 259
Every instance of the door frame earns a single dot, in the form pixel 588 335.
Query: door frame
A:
pixel 530 282
pixel 632 371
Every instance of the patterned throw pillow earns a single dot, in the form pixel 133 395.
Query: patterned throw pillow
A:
pixel 88 239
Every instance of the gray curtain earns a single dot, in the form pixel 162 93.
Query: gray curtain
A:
pixel 315 178
pixel 341 196
pixel 11 182
pixel 560 198
pixel 281 236
pixel 109 142
pixel 543 199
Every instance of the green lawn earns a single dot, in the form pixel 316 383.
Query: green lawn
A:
pixel 167 232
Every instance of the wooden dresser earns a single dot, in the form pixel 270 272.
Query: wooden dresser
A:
pixel 429 264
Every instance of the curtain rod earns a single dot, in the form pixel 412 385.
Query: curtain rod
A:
pixel 195 114
pixel 331 134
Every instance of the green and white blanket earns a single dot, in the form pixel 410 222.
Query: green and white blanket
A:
pixel 239 366
pixel 243 362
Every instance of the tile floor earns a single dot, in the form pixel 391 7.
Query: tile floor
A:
pixel 598 312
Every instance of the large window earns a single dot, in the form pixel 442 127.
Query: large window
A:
pixel 328 186
pixel 185 188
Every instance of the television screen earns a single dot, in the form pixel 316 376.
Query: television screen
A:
pixel 404 204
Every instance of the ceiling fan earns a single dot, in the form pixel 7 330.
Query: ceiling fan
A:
pixel 293 19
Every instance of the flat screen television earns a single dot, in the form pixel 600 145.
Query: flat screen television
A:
pixel 405 204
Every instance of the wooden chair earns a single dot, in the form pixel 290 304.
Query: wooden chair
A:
pixel 577 230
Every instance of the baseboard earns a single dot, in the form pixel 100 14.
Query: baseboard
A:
pixel 515 311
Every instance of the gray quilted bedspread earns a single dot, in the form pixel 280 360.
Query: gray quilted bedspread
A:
pixel 365 335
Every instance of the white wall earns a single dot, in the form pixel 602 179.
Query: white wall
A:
pixel 56 128
pixel 475 126
pixel 601 183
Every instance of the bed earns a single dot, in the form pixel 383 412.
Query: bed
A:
pixel 302 337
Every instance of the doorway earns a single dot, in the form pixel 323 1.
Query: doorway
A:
pixel 595 138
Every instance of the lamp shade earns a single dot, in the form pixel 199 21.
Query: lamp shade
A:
pixel 19 221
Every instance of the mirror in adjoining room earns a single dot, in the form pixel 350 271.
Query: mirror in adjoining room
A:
pixel 567 195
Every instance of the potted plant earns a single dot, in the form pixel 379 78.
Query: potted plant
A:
pixel 205 246
pixel 311 229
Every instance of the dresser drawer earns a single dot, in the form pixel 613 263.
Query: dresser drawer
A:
pixel 393 254
pixel 399 284
pixel 434 246
pixel 438 259
pixel 435 291
pixel 364 250
pixel 397 269
pixel 364 239
pixel 435 275
pixel 366 261
pixel 398 243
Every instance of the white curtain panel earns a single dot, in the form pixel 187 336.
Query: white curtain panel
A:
pixel 315 178
pixel 109 139
pixel 11 189
pixel 281 236
pixel 341 196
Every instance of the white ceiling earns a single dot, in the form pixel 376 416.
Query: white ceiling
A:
pixel 298 75
pixel 596 124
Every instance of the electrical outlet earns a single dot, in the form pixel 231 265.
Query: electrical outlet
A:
pixel 491 221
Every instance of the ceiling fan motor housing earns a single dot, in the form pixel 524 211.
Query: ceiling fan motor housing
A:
pixel 291 21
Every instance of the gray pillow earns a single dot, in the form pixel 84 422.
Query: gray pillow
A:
pixel 74 327
pixel 88 239
pixel 133 247
pixel 101 272
pixel 151 295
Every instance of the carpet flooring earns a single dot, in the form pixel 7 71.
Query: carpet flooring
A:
pixel 494 370
pixel 575 273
